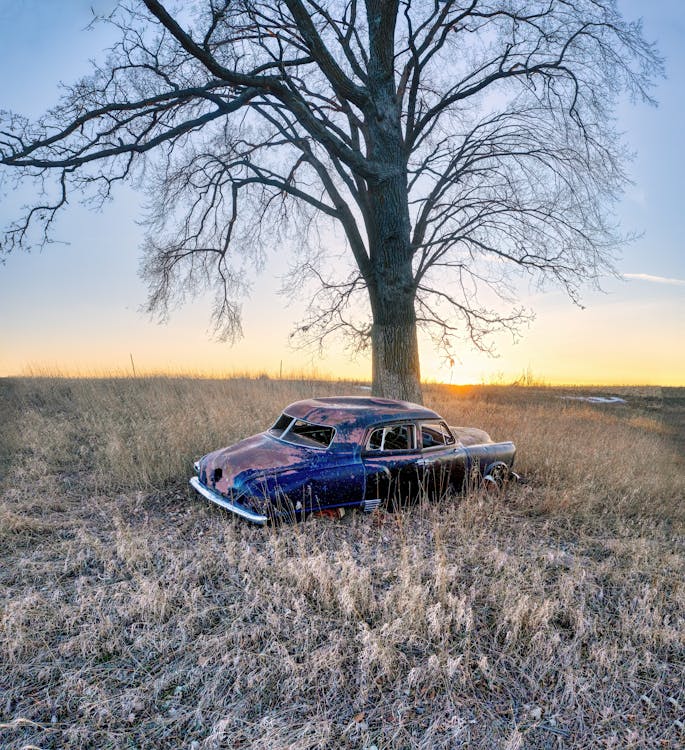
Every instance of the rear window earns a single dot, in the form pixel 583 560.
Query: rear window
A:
pixel 299 432
pixel 434 434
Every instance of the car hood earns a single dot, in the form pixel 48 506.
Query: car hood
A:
pixel 254 457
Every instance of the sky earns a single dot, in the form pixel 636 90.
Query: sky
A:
pixel 75 307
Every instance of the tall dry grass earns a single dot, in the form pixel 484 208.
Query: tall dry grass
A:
pixel 135 615
pixel 585 457
pixel 125 433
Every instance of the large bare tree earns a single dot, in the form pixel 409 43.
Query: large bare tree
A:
pixel 452 142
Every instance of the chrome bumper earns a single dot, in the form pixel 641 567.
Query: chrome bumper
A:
pixel 217 499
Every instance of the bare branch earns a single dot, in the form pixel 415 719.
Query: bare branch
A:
pixel 453 145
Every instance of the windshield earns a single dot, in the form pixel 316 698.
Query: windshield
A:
pixel 281 425
pixel 299 432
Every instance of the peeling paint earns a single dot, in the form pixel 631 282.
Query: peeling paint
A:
pixel 272 476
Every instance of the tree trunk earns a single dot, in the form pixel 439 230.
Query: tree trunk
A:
pixel 395 352
pixel 395 355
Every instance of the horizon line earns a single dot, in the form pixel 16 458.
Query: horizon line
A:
pixel 522 381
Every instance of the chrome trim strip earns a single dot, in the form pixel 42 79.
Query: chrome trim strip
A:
pixel 217 499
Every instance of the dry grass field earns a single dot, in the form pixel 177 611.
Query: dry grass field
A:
pixel 135 615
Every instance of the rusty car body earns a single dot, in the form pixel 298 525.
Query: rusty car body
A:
pixel 347 452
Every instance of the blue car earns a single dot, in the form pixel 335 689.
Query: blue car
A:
pixel 344 452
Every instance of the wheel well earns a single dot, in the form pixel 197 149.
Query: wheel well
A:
pixel 497 472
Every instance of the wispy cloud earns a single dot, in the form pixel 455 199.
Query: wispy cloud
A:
pixel 654 279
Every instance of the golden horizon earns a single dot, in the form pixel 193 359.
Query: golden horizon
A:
pixel 525 379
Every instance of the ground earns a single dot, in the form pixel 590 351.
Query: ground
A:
pixel 133 614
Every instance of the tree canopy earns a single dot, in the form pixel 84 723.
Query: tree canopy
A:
pixel 448 143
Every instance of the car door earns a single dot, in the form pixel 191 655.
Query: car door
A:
pixel 335 480
pixel 441 460
pixel 390 457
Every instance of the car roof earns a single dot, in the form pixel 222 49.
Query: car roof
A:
pixel 355 411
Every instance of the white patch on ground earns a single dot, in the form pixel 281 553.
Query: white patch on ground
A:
pixel 596 399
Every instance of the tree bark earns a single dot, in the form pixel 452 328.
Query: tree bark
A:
pixel 395 357
pixel 394 344
pixel 395 352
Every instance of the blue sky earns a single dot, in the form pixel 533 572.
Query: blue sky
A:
pixel 76 305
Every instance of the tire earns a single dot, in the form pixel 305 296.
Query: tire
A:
pixel 496 475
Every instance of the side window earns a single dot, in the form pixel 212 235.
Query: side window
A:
pixel 435 434
pixel 376 440
pixel 397 437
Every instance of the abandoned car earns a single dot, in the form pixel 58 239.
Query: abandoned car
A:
pixel 346 452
